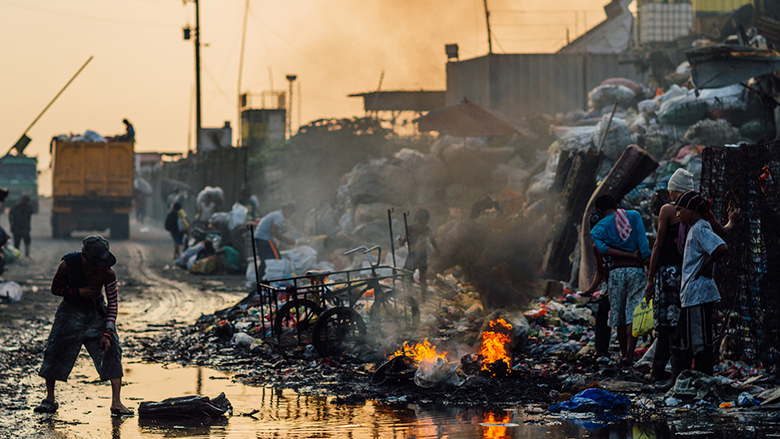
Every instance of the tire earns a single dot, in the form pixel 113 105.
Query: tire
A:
pixel 57 229
pixel 120 227
pixel 338 329
pixel 287 316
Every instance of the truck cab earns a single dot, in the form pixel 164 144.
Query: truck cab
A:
pixel 19 174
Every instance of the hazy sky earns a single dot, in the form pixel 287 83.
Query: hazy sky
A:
pixel 143 70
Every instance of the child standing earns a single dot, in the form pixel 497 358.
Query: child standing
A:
pixel 419 234
pixel 693 338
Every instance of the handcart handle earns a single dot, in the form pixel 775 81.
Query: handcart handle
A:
pixel 349 252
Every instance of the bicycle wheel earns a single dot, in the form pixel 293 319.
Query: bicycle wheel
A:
pixel 337 330
pixel 302 312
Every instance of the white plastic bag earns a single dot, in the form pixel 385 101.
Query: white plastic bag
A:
pixel 302 258
pixel 10 291
pixel 237 216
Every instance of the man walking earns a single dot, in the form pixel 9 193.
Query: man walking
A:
pixel 83 318
pixel 19 216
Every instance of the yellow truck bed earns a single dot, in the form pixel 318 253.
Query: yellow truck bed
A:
pixel 92 169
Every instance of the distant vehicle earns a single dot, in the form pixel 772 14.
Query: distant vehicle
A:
pixel 92 187
pixel 19 174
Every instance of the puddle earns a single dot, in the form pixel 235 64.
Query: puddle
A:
pixel 84 407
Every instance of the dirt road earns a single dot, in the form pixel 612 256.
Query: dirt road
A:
pixel 153 295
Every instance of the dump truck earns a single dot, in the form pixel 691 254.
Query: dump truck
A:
pixel 19 174
pixel 92 187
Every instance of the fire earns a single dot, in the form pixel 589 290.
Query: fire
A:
pixel 420 353
pixel 495 426
pixel 494 344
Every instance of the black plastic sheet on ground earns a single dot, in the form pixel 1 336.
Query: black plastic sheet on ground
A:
pixel 749 277
pixel 194 407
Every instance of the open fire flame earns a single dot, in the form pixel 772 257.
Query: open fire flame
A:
pixel 495 426
pixel 420 353
pixel 494 344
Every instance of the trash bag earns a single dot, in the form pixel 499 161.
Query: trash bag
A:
pixel 618 137
pixel 187 407
pixel 643 318
pixel 683 110
pixel 610 94
pixel 592 400
pixel 217 196
pixel 277 269
pixel 238 216
pixel 435 373
pixel 10 292
pixel 694 384
pixel 302 258
pixel 209 265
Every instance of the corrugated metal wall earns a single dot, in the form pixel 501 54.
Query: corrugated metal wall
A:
pixel 520 85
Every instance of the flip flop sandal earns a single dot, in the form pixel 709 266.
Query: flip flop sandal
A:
pixel 122 412
pixel 46 406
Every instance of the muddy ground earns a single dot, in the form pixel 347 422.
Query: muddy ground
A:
pixel 159 304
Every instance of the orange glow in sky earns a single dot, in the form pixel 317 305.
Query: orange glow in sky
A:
pixel 143 69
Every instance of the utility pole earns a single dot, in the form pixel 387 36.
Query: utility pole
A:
pixel 198 119
pixel 487 19
pixel 240 72
pixel 292 79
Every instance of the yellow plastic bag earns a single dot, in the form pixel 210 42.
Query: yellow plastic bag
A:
pixel 643 318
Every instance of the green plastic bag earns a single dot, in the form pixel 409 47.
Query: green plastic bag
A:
pixel 643 319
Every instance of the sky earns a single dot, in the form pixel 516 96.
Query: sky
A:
pixel 143 70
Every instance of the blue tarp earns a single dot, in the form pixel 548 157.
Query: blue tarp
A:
pixel 592 400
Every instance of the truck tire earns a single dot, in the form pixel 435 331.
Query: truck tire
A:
pixel 120 227
pixel 57 229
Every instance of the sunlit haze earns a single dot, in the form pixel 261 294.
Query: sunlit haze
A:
pixel 143 69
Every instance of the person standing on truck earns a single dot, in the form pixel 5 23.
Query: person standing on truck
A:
pixel 83 318
pixel 19 216
pixel 129 131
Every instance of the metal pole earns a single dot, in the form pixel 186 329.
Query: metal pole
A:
pixel 251 229
pixel 198 114
pixel 390 222
pixel 241 70
pixel 606 129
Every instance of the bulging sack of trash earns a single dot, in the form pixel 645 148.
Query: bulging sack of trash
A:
pixel 277 269
pixel 186 407
pixel 610 94
pixel 574 138
pixel 617 139
pixel 91 136
pixel 237 216
pixel 593 400
pixel 220 219
pixel 10 292
pixel 216 193
pixel 683 110
pixel 302 258
pixel 436 373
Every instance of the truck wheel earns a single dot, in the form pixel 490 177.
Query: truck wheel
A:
pixel 120 227
pixel 57 229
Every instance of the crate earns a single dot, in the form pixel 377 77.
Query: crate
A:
pixel 661 22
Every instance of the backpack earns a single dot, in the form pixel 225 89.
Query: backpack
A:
pixel 172 221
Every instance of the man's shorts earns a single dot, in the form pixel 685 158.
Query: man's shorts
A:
pixel 178 237
pixel 416 261
pixel 626 289
pixel 80 322
pixel 666 303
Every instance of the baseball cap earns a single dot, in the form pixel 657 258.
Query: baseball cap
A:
pixel 95 248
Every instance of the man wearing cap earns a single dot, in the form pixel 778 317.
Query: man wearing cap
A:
pixel 272 226
pixel 83 318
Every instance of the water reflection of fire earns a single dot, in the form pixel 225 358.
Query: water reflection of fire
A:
pixel 419 353
pixel 495 431
pixel 494 344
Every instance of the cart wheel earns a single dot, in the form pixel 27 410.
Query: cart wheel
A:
pixel 395 308
pixel 337 329
pixel 302 311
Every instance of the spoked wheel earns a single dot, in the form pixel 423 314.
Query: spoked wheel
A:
pixel 395 308
pixel 338 330
pixel 297 315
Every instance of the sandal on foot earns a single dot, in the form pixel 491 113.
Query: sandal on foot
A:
pixel 122 412
pixel 46 406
